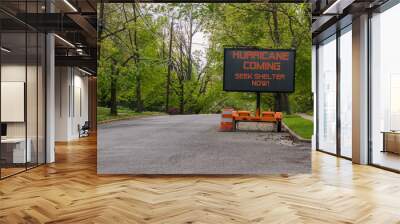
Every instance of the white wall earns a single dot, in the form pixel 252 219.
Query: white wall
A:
pixel 80 112
pixel 33 125
pixel 71 102
pixel 62 83
pixel 314 91
pixel 12 73
pixel 81 82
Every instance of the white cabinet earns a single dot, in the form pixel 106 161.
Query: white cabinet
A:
pixel 19 155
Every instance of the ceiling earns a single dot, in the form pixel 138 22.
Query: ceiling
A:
pixel 328 14
pixel 74 22
pixel 203 1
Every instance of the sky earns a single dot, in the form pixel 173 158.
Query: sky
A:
pixel 200 40
pixel 200 43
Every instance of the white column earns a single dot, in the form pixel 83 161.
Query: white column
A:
pixel 360 90
pixel 50 94
pixel 63 77
pixel 314 91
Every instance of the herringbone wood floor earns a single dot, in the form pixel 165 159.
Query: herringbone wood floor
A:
pixel 69 191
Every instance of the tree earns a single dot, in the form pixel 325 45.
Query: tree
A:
pixel 135 72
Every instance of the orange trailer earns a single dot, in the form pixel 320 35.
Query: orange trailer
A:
pixel 231 118
pixel 267 116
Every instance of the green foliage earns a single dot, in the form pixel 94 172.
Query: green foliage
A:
pixel 145 59
pixel 301 126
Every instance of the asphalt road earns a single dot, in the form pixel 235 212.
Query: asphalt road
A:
pixel 192 144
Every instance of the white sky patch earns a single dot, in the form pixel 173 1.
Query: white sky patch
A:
pixel 200 44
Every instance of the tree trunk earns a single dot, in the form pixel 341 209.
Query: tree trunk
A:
pixel 281 100
pixel 286 105
pixel 181 82
pixel 167 92
pixel 189 68
pixel 275 19
pixel 139 101
pixel 182 97
pixel 100 29
pixel 113 89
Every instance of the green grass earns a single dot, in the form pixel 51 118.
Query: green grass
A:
pixel 103 114
pixel 301 126
pixel 311 113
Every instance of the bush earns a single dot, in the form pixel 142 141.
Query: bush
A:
pixel 173 111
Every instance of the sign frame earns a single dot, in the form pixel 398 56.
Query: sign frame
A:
pixel 259 49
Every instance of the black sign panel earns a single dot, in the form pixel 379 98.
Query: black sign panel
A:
pixel 259 70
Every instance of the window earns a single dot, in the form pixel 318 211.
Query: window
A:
pixel 22 77
pixel 385 89
pixel 327 95
pixel 346 92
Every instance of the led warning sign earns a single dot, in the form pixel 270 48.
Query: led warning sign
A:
pixel 259 70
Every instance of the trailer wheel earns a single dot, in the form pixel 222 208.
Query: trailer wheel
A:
pixel 279 126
